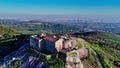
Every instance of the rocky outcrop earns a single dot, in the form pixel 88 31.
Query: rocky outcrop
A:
pixel 73 62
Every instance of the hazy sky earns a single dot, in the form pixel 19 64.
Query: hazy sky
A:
pixel 60 7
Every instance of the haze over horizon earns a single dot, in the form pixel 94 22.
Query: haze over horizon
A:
pixel 104 10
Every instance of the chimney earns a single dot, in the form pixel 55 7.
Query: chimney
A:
pixel 42 35
pixel 55 36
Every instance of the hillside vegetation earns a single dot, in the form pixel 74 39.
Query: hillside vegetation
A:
pixel 106 45
pixel 10 40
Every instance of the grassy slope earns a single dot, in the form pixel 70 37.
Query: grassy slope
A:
pixel 91 61
pixel 106 45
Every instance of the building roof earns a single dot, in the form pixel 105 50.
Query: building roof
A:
pixel 50 38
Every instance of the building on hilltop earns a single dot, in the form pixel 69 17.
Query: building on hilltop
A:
pixel 51 44
pixel 46 44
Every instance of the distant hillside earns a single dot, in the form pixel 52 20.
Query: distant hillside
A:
pixel 102 38
pixel 33 27
pixel 111 26
pixel 9 20
pixel 107 46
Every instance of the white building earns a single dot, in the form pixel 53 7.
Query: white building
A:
pixel 50 44
pixel 47 44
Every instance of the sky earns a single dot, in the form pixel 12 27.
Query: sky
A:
pixel 60 7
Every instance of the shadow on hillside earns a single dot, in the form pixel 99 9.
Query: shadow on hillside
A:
pixel 12 44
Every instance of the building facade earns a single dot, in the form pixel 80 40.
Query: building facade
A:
pixel 36 43
pixel 46 44
pixel 50 44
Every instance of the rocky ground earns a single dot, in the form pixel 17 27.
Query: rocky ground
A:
pixel 27 61
pixel 75 60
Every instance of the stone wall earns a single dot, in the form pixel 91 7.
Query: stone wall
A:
pixel 59 44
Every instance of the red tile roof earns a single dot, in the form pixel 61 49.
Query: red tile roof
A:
pixel 51 39
pixel 48 38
